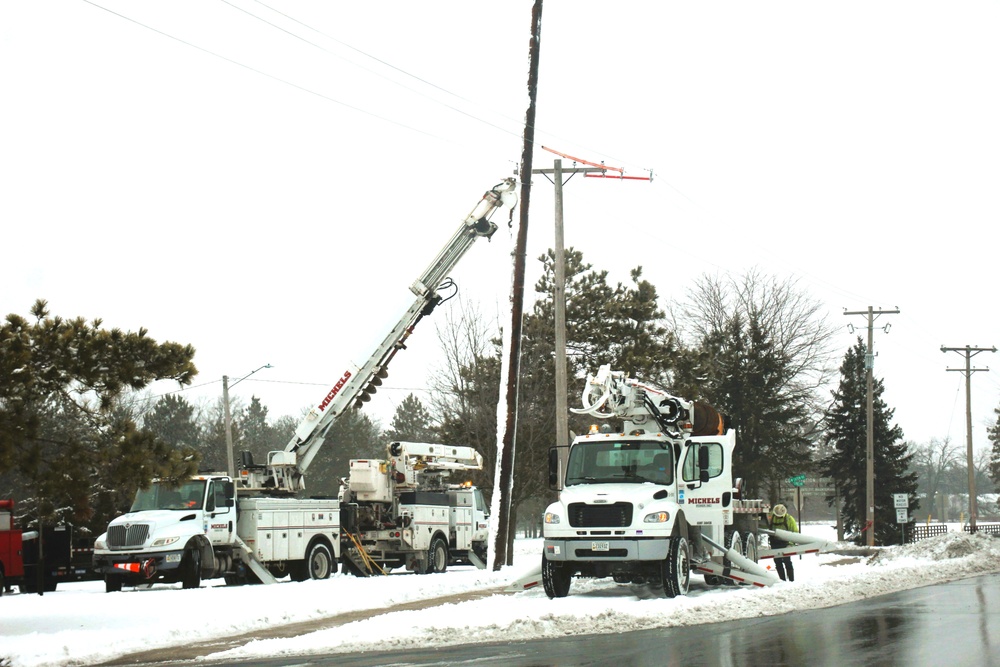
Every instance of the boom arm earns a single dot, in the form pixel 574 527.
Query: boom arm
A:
pixel 285 470
pixel 610 394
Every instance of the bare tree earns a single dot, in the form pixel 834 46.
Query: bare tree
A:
pixel 935 462
pixel 758 348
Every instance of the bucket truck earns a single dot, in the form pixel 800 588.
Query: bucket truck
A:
pixel 653 501
pixel 254 528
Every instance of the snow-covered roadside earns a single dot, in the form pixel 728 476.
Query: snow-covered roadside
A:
pixel 80 624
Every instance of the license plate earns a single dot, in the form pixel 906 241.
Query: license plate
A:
pixel 600 546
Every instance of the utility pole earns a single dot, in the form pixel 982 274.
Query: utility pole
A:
pixel 559 288
pixel 502 552
pixel 870 432
pixel 969 352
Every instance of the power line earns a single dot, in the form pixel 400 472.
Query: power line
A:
pixel 270 76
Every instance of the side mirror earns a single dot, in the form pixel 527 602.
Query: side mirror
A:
pixel 229 488
pixel 703 464
pixel 554 468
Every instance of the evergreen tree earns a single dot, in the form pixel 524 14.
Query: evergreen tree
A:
pixel 58 431
pixel 756 350
pixel 412 422
pixel 993 432
pixel 846 434
pixel 173 421
pixel 256 435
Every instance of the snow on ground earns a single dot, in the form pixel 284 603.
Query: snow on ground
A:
pixel 81 624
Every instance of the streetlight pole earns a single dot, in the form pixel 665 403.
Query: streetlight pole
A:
pixel 230 457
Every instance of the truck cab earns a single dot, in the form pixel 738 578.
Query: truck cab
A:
pixel 171 533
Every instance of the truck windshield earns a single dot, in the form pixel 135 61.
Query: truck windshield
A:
pixel 189 495
pixel 625 461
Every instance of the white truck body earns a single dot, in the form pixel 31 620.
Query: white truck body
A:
pixel 403 512
pixel 200 530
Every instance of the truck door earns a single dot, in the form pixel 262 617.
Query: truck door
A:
pixel 706 481
pixel 220 512
pixel 480 518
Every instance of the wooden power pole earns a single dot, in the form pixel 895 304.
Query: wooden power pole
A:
pixel 969 352
pixel 870 433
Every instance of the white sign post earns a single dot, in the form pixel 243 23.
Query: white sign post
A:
pixel 901 501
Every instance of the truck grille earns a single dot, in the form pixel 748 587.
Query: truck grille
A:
pixel 127 536
pixel 618 515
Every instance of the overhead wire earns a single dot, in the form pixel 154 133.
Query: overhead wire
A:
pixel 266 74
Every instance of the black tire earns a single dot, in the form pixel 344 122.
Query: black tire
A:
pixel 677 568
pixel 3 584
pixel 437 556
pixel 556 578
pixel 319 562
pixel 733 541
pixel 191 569
pixel 750 547
pixel 112 584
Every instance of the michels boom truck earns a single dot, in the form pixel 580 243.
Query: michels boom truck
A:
pixel 655 501
pixel 391 512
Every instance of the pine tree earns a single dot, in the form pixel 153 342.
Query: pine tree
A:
pixel 994 435
pixel 755 348
pixel 412 422
pixel 172 420
pixel 846 437
pixel 59 433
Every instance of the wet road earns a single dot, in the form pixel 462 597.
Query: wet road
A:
pixel 955 624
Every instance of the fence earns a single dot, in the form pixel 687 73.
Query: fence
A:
pixel 990 528
pixel 919 532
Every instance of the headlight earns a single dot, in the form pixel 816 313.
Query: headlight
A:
pixel 551 518
pixel 657 517
pixel 164 541
pixel 99 545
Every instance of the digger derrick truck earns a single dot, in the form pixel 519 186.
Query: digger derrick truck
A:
pixel 652 502
pixel 404 512
pixel 254 527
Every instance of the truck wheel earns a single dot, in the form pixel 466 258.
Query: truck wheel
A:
pixel 191 569
pixel 112 584
pixel 437 556
pixel 556 578
pixel 3 584
pixel 319 562
pixel 750 547
pixel 676 568
pixel 735 542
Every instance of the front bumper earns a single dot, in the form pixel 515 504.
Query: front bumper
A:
pixel 139 566
pixel 605 550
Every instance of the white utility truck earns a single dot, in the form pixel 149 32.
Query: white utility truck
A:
pixel 255 528
pixel 654 501
pixel 402 511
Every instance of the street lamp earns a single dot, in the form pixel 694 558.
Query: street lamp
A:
pixel 230 459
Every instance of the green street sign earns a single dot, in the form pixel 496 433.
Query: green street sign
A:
pixel 797 480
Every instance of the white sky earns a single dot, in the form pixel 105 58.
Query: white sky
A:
pixel 81 624
pixel 272 203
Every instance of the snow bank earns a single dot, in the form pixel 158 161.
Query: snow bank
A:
pixel 80 624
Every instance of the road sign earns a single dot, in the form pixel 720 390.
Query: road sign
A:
pixel 902 516
pixel 900 501
pixel 797 480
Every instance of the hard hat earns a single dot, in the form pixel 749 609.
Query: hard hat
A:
pixel 780 510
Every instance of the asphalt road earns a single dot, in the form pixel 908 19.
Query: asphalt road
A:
pixel 955 624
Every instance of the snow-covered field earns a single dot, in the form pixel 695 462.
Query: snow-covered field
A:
pixel 80 624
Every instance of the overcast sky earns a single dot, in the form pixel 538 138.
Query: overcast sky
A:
pixel 264 180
